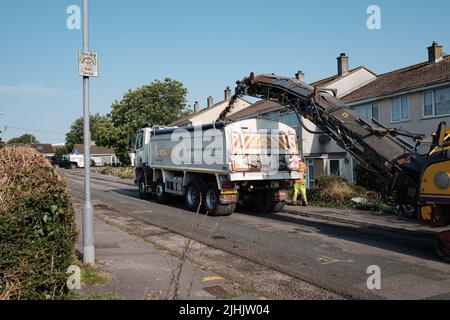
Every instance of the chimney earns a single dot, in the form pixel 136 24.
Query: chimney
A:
pixel 434 53
pixel 196 107
pixel 227 93
pixel 300 75
pixel 210 101
pixel 342 64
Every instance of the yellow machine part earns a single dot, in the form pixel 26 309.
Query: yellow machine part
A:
pixel 447 139
pixel 435 194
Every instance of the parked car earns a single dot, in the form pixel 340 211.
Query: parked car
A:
pixel 62 162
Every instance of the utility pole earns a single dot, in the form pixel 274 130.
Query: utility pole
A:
pixel 88 211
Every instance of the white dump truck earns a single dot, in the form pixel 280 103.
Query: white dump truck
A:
pixel 219 165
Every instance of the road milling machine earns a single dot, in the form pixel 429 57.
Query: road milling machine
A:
pixel 416 182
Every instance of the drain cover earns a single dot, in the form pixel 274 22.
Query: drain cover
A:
pixel 216 291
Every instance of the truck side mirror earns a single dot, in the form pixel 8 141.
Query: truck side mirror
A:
pixel 440 134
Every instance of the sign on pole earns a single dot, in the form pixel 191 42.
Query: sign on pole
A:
pixel 88 64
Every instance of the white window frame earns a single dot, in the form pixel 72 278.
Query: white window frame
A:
pixel 309 163
pixel 370 107
pixel 352 171
pixel 400 98
pixel 433 104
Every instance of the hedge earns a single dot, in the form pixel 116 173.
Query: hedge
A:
pixel 37 227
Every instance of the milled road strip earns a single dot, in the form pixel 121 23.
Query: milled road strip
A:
pixel 246 276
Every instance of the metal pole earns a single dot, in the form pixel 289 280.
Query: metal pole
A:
pixel 88 211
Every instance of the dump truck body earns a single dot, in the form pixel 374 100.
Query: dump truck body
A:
pixel 246 161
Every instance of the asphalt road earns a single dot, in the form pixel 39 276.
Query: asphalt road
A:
pixel 331 256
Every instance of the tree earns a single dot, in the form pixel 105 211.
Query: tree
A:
pixel 158 103
pixel 61 151
pixel 24 139
pixel 97 124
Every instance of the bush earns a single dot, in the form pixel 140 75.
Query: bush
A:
pixel 121 172
pixel 37 227
pixel 332 190
pixel 336 192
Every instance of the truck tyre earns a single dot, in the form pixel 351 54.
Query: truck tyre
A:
pixel 143 194
pixel 160 192
pixel 193 196
pixel 212 205
pixel 268 205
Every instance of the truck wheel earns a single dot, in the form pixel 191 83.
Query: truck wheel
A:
pixel 212 205
pixel 268 205
pixel 192 196
pixel 73 166
pixel 278 206
pixel 142 192
pixel 160 192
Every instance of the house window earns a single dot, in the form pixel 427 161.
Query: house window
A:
pixel 369 111
pixel 310 179
pixel 375 111
pixel 290 119
pixel 436 102
pixel 334 168
pixel 400 109
pixel 354 164
pixel 428 103
pixel 442 101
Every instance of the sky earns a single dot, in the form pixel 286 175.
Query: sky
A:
pixel 205 44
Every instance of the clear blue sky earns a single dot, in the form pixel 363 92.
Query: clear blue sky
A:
pixel 205 44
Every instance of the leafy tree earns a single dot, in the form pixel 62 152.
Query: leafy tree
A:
pixel 61 151
pixel 159 103
pixel 25 138
pixel 97 124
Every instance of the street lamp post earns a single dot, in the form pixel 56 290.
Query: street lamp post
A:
pixel 88 211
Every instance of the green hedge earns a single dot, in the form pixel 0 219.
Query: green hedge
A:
pixel 37 227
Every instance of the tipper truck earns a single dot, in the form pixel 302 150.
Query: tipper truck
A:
pixel 219 165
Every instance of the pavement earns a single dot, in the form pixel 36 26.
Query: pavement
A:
pixel 138 270
pixel 284 255
pixel 375 220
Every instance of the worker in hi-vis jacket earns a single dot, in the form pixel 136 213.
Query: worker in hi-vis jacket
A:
pixel 300 186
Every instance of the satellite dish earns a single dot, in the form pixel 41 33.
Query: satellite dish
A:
pixel 324 139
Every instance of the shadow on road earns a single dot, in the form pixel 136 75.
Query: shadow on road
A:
pixel 420 246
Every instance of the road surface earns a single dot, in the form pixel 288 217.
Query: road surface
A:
pixel 331 256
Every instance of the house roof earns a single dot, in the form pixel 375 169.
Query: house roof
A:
pixel 329 80
pixel 45 148
pixel 408 78
pixel 254 109
pixel 95 150
pixel 187 118
pixel 265 105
